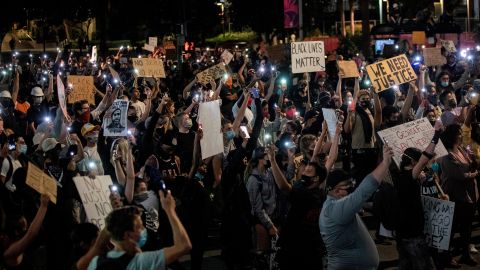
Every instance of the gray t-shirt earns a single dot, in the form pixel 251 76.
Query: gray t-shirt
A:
pixel 349 245
pixel 149 260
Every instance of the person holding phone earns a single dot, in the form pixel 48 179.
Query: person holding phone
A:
pixel 17 148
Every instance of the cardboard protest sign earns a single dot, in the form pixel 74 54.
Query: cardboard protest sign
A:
pixel 433 57
pixel 148 47
pixel 94 193
pixel 419 37
pixel 61 97
pixel 115 119
pixel 41 182
pixel 94 54
pixel 210 118
pixel 211 73
pixel 153 41
pixel 438 221
pixel 393 71
pixel 308 56
pixel 330 117
pixel 448 45
pixel 149 67
pixel 416 134
pixel 83 88
pixel 226 56
pixel 348 69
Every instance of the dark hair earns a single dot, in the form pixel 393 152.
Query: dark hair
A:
pixel 449 136
pixel 410 154
pixel 388 95
pixel 83 232
pixel 443 96
pixel 77 106
pixel 320 171
pixel 388 111
pixel 121 220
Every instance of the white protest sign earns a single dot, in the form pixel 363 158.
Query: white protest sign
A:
pixel 115 119
pixel 61 97
pixel 149 67
pixel 94 54
pixel 210 118
pixel 307 56
pixel 448 45
pixel 153 41
pixel 114 73
pixel 392 71
pixel 95 193
pixel 330 117
pixel 418 134
pixel 438 221
pixel 433 57
pixel 148 47
pixel 227 57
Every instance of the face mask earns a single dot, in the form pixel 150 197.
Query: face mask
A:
pixel 350 189
pixel 444 83
pixel 306 178
pixel 92 139
pixel 188 124
pixel 432 122
pixel 230 135
pixel 140 197
pixel 85 117
pixel 452 103
pixel 290 113
pixel 266 115
pixel 199 176
pixel 321 82
pixel 400 104
pixel 142 240
pixel 392 123
pixel 433 99
pixel 132 118
pixel 365 104
pixel 23 148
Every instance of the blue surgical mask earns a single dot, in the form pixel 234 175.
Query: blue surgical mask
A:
pixel 23 148
pixel 199 176
pixel 230 135
pixel 143 238
pixel 444 83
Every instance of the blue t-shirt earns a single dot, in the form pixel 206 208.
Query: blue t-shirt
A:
pixel 149 260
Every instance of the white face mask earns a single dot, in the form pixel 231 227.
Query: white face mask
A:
pixel 400 104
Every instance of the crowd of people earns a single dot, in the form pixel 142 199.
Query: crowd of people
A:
pixel 282 178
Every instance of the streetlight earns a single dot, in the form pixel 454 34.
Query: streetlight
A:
pixel 222 7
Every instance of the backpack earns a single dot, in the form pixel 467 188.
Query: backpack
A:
pixel 386 204
pixel 120 263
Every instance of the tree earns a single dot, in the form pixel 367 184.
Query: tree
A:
pixel 351 3
pixel 341 9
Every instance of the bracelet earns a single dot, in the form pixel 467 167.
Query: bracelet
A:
pixel 428 155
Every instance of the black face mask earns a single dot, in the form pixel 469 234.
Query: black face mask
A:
pixel 307 179
pixel 392 123
pixel 433 99
pixel 432 123
pixel 350 189
pixel 132 118
pixel 365 104
pixel 268 164
pixel 452 103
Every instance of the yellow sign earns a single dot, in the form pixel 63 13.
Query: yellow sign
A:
pixel 41 182
pixel 149 67
pixel 418 37
pixel 83 89
pixel 393 71
pixel 348 69
pixel 211 73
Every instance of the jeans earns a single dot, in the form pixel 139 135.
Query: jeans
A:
pixel 413 254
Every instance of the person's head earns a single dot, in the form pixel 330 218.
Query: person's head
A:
pixel 452 136
pixel 314 173
pixel 431 116
pixel 410 157
pixel 339 184
pixel 391 115
pixel 451 59
pixel 324 98
pixel 307 145
pixel 83 236
pixel 227 129
pixel 364 100
pixel 291 128
pixel 37 95
pixel 82 111
pixel 170 107
pixel 141 186
pixel 19 142
pixel 260 159
pixel 387 97
pixel 135 94
pixel 265 111
pixel 90 132
pixel 125 224
pixel 183 121
pixel 448 99
pixel 444 78
pixel 132 115
pixel 321 78
pixel 310 117
pixel 116 115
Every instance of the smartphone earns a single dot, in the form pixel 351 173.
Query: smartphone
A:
pixel 11 144
pixel 113 188
pixel 245 131
pixel 163 187
pixel 254 92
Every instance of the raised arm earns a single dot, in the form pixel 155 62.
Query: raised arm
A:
pixel 278 175
pixel 129 186
pixel 49 93
pixel 320 141
pixel 339 88
pixel 241 69
pixel 333 154
pixel 378 110
pixel 408 101
pixel 421 82
pixel 241 112
pixel 16 87
pixel 187 88
pixel 271 86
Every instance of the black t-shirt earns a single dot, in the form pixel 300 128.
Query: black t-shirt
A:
pixel 37 114
pixel 168 168
pixel 184 149
pixel 411 219
pixel 428 186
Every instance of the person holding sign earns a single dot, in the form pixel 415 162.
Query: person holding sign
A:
pixel 458 171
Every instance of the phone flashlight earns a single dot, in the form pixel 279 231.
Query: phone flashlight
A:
pixel 47 119
pixel 91 165
pixel 283 81
pixel 225 76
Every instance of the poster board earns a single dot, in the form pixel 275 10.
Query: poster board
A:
pixel 419 37
pixel 418 134
pixel 149 67
pixel 94 193
pixel 153 41
pixel 210 118
pixel 211 73
pixel 94 54
pixel 307 56
pixel 148 47
pixel 438 221
pixel 83 88
pixel 115 119
pixel 41 182
pixel 433 57
pixel 62 101
pixel 330 117
pixel 389 72
pixel 226 56
pixel 449 45
pixel 348 69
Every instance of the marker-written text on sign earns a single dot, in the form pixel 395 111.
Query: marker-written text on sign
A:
pixel 393 71
pixel 308 56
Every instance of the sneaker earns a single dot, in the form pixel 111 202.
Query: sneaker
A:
pixel 472 249
pixel 468 260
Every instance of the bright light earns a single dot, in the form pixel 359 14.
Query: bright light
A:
pixel 474 94
pixel 60 73
pixel 283 81
pixel 45 56
pixel 104 76
pixel 246 49
pixel 463 53
pixel 469 57
pixel 47 119
pixel 367 82
pixel 357 54
pixel 62 65
pixel 236 46
pixel 395 87
pixel 44 79
pixel 114 188
pixel 268 136
pixel 72 154
pixel 198 60
pixel 91 165
pixel 69 128
pixel 121 47
pixel 478 47
pixel 424 90
pixel 208 49
pixel 418 58
pixel 262 69
pixel 4 72
pixel 396 47
pixel 70 85
pixel 273 68
pixel 225 76
pixel 115 81
pixel 139 56
pixel 297 114
pixel 423 46
pixel 31 55
pixel 129 132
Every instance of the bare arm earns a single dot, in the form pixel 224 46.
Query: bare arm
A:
pixel 187 88
pixel 240 71
pixel 339 88
pixel 408 101
pixel 320 141
pixel 271 87
pixel 278 175
pixel 241 112
pixel 378 110
pixel 382 169
pixel 333 154
pixel 119 172
pixel 129 186
pixel 16 87
pixel 100 246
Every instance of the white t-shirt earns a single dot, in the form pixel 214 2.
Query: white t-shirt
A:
pixel 6 167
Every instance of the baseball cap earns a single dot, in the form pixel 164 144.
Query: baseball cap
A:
pixel 49 144
pixel 335 177
pixel 259 153
pixel 89 127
